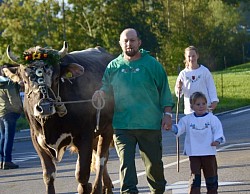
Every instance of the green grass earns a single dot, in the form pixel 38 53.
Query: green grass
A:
pixel 233 87
pixel 22 123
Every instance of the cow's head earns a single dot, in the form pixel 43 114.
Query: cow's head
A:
pixel 40 71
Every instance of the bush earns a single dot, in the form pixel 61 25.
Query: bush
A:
pixel 22 123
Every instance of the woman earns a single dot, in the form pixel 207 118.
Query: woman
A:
pixel 195 78
pixel 10 109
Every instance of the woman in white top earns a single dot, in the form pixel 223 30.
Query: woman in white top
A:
pixel 195 78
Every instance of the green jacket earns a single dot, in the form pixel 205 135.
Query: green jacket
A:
pixel 140 89
pixel 10 100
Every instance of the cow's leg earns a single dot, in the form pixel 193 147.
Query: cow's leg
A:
pixel 49 172
pixel 101 158
pixel 99 167
pixel 107 183
pixel 48 166
pixel 82 172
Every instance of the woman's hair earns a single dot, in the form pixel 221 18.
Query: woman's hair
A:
pixel 190 48
pixel 195 96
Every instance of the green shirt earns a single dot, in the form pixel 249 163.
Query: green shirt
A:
pixel 140 90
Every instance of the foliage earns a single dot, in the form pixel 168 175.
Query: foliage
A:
pixel 48 56
pixel 217 28
pixel 22 123
pixel 27 24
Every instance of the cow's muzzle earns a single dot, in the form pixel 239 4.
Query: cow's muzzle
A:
pixel 45 107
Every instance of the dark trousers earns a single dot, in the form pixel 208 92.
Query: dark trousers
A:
pixel 7 131
pixel 208 164
pixel 150 145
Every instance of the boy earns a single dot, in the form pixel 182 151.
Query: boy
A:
pixel 203 133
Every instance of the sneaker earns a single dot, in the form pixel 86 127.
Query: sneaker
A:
pixel 9 165
pixel 1 165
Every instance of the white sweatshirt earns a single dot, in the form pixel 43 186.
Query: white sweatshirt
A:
pixel 201 131
pixel 197 80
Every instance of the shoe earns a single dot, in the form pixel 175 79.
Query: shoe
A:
pixel 9 165
pixel 1 165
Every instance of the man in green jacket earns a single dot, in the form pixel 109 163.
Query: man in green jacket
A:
pixel 10 109
pixel 141 93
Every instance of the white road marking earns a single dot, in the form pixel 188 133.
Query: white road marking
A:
pixel 176 187
pixel 24 158
pixel 181 187
pixel 232 145
pixel 21 157
pixel 240 111
pixel 187 159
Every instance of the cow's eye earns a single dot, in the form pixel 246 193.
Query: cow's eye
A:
pixel 32 76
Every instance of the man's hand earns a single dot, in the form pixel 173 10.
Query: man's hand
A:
pixel 98 99
pixel 97 94
pixel 166 122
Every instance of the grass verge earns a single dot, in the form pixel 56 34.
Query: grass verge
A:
pixel 233 88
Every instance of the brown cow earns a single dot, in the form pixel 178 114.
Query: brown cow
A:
pixel 57 104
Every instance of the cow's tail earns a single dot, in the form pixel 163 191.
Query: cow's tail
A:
pixel 93 161
pixel 73 149
pixel 112 144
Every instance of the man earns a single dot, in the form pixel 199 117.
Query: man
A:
pixel 141 92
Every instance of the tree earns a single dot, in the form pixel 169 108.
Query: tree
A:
pixel 166 27
pixel 29 23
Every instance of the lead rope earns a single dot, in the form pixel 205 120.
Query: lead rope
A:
pixel 98 104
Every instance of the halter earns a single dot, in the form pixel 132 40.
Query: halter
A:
pixel 46 104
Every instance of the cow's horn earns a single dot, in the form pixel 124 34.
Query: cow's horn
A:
pixel 11 56
pixel 64 50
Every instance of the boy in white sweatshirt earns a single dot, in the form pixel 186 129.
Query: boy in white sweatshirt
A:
pixel 203 133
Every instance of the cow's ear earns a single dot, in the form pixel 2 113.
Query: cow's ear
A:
pixel 9 73
pixel 72 70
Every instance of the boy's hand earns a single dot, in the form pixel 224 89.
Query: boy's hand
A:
pixel 215 143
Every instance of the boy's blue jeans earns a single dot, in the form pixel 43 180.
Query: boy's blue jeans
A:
pixel 7 131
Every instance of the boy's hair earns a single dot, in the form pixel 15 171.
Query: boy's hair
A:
pixel 195 96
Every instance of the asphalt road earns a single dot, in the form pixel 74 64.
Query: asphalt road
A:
pixel 233 161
